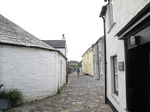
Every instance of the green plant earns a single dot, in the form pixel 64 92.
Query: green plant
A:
pixel 60 90
pixel 14 96
pixel 3 94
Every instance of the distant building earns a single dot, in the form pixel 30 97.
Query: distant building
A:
pixel 98 59
pixel 87 62
pixel 73 63
pixel 58 44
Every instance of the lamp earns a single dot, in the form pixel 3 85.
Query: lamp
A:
pixel 135 40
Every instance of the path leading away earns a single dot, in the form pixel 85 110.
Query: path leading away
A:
pixel 81 94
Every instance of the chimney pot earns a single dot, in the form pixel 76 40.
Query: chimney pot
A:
pixel 63 36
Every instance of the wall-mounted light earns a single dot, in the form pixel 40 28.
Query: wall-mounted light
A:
pixel 135 40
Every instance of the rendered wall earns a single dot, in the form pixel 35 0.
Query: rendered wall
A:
pixel 124 11
pixel 87 63
pixel 35 72
pixel 63 51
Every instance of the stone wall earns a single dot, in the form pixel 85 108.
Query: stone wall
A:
pixel 98 50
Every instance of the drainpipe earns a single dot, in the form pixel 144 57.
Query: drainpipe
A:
pixel 98 61
pixel 66 71
pixel 105 61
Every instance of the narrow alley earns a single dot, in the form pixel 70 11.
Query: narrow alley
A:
pixel 81 94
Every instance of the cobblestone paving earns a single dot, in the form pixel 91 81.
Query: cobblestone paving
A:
pixel 81 94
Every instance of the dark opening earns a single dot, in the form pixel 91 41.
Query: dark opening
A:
pixel 138 78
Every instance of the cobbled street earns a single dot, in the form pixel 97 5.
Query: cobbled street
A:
pixel 81 94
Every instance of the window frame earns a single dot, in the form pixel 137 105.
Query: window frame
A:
pixel 115 75
pixel 111 19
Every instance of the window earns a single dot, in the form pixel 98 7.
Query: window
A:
pixel 100 48
pixel 94 50
pixel 115 75
pixel 101 67
pixel 110 14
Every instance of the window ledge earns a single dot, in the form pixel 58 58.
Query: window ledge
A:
pixel 115 97
pixel 111 27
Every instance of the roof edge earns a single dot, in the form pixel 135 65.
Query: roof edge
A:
pixel 27 46
pixel 135 19
pixel 103 11
pixel 1 43
pixel 98 41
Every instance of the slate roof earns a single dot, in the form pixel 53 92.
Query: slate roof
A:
pixel 97 41
pixel 56 43
pixel 10 33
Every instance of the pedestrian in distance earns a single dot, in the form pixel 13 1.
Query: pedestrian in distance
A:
pixel 78 71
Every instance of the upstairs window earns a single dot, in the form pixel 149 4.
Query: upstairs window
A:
pixel 110 10
pixel 100 48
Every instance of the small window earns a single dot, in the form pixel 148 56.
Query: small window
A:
pixel 101 67
pixel 115 75
pixel 100 48
pixel 94 50
pixel 111 20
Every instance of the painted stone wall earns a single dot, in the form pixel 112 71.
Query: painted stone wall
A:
pixel 37 73
pixel 98 58
pixel 63 51
pixel 124 11
pixel 87 63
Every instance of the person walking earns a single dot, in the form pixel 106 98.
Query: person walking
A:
pixel 78 71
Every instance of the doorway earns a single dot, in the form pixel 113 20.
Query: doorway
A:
pixel 138 78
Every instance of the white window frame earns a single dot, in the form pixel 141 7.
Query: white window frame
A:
pixel 111 19
pixel 115 83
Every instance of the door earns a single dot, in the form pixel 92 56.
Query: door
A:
pixel 138 78
pixel 148 85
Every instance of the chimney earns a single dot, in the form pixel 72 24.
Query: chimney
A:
pixel 63 36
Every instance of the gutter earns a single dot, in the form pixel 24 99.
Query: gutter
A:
pixel 98 62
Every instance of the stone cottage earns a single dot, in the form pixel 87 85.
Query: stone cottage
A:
pixel 28 64
pixel 98 59
pixel 127 34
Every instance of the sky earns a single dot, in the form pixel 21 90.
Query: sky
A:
pixel 49 19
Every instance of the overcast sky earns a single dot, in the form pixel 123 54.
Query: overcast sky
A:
pixel 49 19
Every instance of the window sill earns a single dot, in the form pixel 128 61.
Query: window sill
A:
pixel 115 97
pixel 111 27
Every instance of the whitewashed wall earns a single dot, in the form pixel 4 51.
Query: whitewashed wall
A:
pixel 35 72
pixel 124 11
pixel 63 51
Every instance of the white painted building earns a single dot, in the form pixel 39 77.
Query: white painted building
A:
pixel 127 87
pixel 28 64
pixel 60 45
